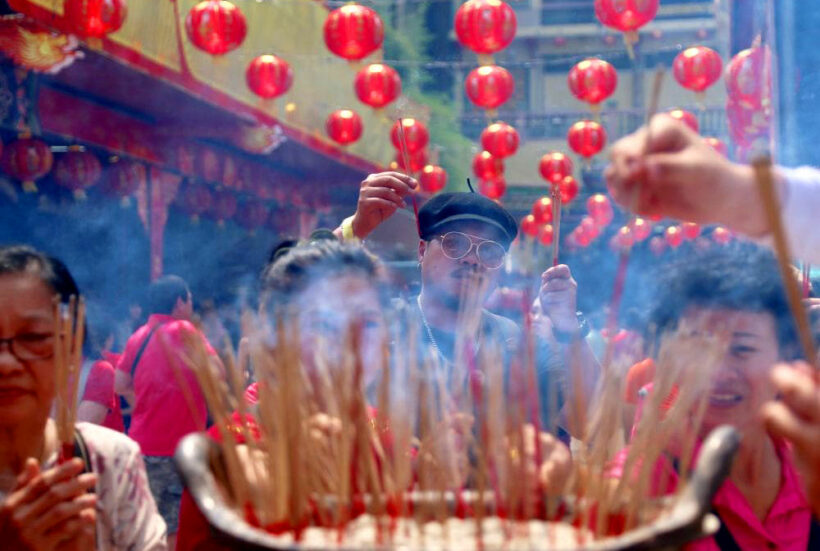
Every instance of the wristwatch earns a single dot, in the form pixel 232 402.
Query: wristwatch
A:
pixel 578 334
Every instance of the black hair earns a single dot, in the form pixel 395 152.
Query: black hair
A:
pixel 164 293
pixel 740 276
pixel 291 273
pixel 19 259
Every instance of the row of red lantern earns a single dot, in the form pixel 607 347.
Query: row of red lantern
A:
pixel 674 236
pixel 600 215
pixel 499 141
pixel 197 200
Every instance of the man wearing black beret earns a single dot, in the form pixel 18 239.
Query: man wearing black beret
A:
pixel 464 240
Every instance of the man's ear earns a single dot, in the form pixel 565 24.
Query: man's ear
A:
pixel 422 248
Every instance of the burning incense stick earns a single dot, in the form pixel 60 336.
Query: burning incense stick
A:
pixel 406 158
pixel 771 204
pixel 69 334
pixel 556 223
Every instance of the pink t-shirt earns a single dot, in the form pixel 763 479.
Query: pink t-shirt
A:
pixel 786 526
pixel 162 414
pixel 99 388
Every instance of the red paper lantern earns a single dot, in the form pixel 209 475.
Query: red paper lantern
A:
pixel 344 126
pixel 717 145
pixel 529 225
pixel 252 215
pixel 690 231
pixel 489 86
pixel 216 26
pixel 697 68
pixel 546 235
pixel 500 139
pixel 721 235
pixel 487 167
pixel 485 26
pixel 123 179
pixel 77 170
pixel 686 117
pixel 600 209
pixel 353 31
pixel 224 206
pixel 27 160
pixel 749 78
pixel 554 167
pixel 418 161
pixel 194 200
pixel 542 210
pixel 657 245
pixel 673 236
pixel 269 76
pixel 626 16
pixel 623 239
pixel 640 229
pixel 416 136
pixel 581 238
pixel 94 18
pixel 586 138
pixel 433 178
pixel 568 188
pixel 592 80
pixel 589 227
pixel 493 189
pixel 377 85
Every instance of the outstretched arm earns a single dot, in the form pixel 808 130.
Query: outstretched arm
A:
pixel 380 195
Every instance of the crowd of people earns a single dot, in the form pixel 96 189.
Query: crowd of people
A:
pixel 139 402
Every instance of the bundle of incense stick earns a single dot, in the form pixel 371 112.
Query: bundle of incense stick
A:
pixel 69 334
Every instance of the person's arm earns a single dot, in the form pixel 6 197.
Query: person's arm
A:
pixel 91 412
pixel 380 195
pixel 98 394
pixel 123 385
pixel 145 530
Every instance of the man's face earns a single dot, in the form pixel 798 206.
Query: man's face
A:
pixel 450 280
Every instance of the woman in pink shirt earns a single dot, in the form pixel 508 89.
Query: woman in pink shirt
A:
pixel 736 291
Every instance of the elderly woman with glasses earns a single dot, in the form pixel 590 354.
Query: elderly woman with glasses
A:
pixel 99 502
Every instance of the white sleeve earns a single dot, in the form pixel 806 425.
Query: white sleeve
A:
pixel 147 532
pixel 801 212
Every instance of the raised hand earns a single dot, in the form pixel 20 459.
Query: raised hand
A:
pixel 380 195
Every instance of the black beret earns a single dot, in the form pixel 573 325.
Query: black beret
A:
pixel 446 208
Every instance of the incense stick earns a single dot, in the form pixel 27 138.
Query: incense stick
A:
pixel 556 223
pixel 406 158
pixel 771 204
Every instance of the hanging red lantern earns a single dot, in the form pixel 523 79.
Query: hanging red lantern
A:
pixel 673 236
pixel 487 167
pixel 493 189
pixel 690 231
pixel 686 117
pixel 353 31
pixel 554 167
pixel 485 26
pixel 344 126
pixel 269 76
pixel 194 200
pixel 546 235
pixel 500 139
pixel 568 188
pixel 697 68
pixel 721 235
pixel 27 159
pixel 77 170
pixel 592 80
pixel 529 226
pixel 489 86
pixel 718 145
pixel 223 206
pixel 626 16
pixel 600 209
pixel 216 26
pixel 433 178
pixel 586 138
pixel 657 245
pixel 418 161
pixel 416 136
pixel 252 215
pixel 377 85
pixel 641 229
pixel 622 240
pixel 542 210
pixel 749 78
pixel 589 227
pixel 580 238
pixel 94 18
pixel 123 179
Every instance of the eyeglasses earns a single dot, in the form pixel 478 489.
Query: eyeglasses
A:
pixel 456 245
pixel 31 346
